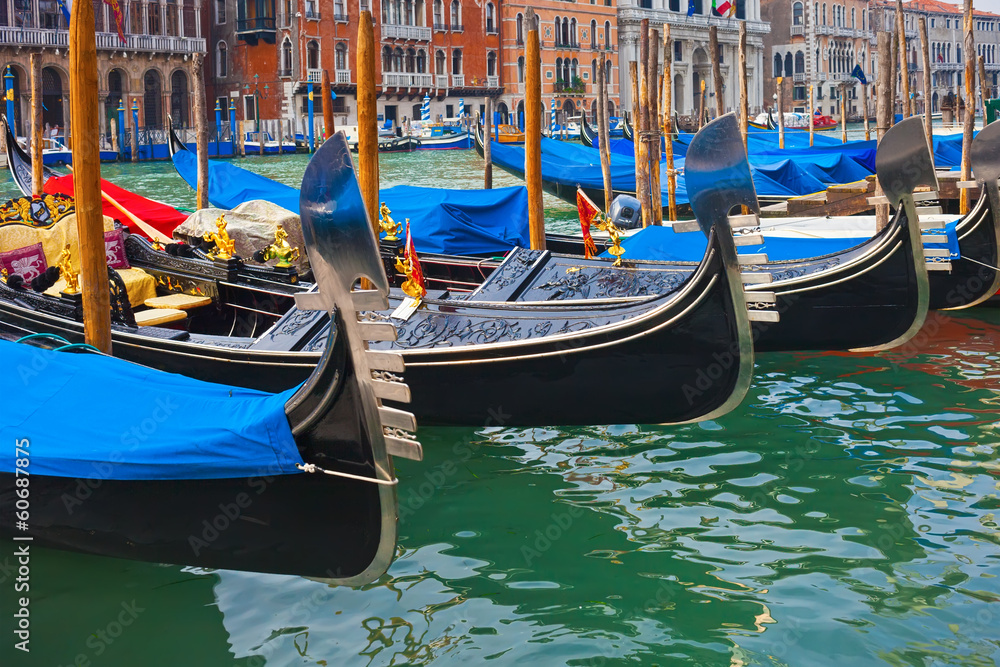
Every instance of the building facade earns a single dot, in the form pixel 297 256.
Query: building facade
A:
pixel 818 44
pixel 690 49
pixel 446 49
pixel 574 40
pixel 153 67
pixel 946 41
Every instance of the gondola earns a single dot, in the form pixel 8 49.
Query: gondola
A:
pixel 528 347
pixel 314 497
pixel 18 161
pixel 398 145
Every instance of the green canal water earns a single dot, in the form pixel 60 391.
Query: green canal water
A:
pixel 845 513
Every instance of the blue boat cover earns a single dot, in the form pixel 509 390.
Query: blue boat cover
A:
pixel 462 222
pixel 453 222
pixel 94 417
pixel 663 244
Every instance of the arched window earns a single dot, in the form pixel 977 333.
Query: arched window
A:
pixel 800 62
pixel 456 61
pixel 222 60
pixel 607 34
pixel 411 60
pixel 853 17
pixel 520 28
pixel 565 31
pixel 777 64
pixel 520 69
pixel 386 59
pixel 593 71
pixel 788 64
pixel 573 74
pixel 558 24
pixel 456 14
pixel 675 5
pixel 340 57
pixel 490 17
pixel 439 63
pixel 593 34
pixel 824 13
pixel 421 61
pixel 286 56
pixel 438 14
pixel 491 64
pixel 607 71
pixel 572 32
pixel 678 51
pixel 559 78
pixel 312 54
pixel 220 11
pixel 152 99
pixel 179 98
pixel 797 13
pixel 397 60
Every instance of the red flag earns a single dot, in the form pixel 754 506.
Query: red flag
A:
pixel 587 211
pixel 416 278
pixel 116 11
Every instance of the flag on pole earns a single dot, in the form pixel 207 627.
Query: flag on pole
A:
pixel 859 74
pixel 690 7
pixel 588 211
pixel 414 285
pixel 722 9
pixel 116 11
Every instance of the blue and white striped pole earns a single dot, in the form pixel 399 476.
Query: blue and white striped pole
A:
pixel 121 128
pixel 552 123
pixel 218 126
pixel 135 126
pixel 9 94
pixel 312 138
pixel 232 129
pixel 425 108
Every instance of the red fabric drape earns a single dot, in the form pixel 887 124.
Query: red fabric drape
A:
pixel 159 216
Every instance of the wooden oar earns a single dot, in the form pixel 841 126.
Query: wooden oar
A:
pixel 150 231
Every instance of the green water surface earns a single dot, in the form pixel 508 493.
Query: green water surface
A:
pixel 844 514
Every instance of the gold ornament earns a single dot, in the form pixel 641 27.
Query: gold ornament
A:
pixel 387 224
pixel 604 224
pixel 281 250
pixel 225 247
pixel 66 271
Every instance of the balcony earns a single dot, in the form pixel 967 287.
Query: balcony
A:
pixel 284 20
pixel 314 76
pixel 343 77
pixel 798 30
pixel 458 81
pixel 492 29
pixel 340 18
pixel 493 82
pixel 108 41
pixel 407 80
pixel 559 44
pixel 285 73
pixel 440 27
pixel 799 77
pixel 312 14
pixel 252 29
pixel 414 32
pixel 457 27
pixel 442 81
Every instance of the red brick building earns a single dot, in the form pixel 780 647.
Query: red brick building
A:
pixel 265 52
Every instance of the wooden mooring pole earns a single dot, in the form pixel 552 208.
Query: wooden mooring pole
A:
pixel 367 119
pixel 904 69
pixel 37 142
pixel 84 113
pixel 487 141
pixel 533 134
pixel 984 91
pixel 781 113
pixel 744 113
pixel 843 113
pixel 327 102
pixel 641 154
pixel 969 119
pixel 200 127
pixel 603 136
pixel 668 122
pixel 812 116
pixel 925 53
pixel 652 138
pixel 864 110
pixel 883 112
pixel 713 47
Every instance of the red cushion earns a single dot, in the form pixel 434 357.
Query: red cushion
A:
pixel 29 262
pixel 114 249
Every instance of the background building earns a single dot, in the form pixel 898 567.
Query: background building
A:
pixel 575 39
pixel 153 67
pixel 691 63
pixel 448 49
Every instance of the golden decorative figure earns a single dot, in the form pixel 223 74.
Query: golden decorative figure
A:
pixel 410 287
pixel 66 272
pixel 281 250
pixel 3 275
pixel 158 246
pixel 604 224
pixel 387 224
pixel 225 247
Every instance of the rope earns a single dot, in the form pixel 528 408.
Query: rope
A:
pixel 976 261
pixel 312 467
pixel 83 347
pixel 42 335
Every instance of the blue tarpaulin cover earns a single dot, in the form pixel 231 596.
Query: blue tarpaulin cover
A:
pixel 95 417
pixel 453 222
pixel 462 222
pixel 665 245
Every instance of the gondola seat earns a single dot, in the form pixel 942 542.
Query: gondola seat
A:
pixel 139 286
pixel 177 302
pixel 153 317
